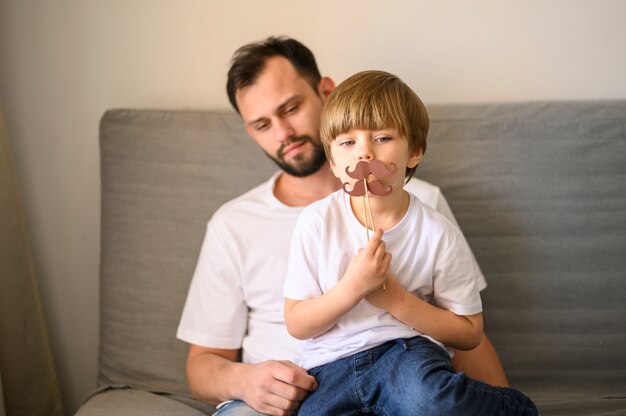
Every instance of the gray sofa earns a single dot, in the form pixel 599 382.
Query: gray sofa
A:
pixel 539 190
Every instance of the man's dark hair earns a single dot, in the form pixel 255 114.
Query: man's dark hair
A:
pixel 249 60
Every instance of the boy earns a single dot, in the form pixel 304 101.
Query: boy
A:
pixel 376 328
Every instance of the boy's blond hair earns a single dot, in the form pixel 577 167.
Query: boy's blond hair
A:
pixel 375 100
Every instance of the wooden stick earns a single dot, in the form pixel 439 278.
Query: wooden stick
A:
pixel 367 196
pixel 371 216
pixel 367 230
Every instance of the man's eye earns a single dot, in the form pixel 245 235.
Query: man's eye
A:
pixel 262 126
pixel 291 109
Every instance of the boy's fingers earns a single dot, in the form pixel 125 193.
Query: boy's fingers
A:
pixel 380 250
pixel 387 260
pixel 374 242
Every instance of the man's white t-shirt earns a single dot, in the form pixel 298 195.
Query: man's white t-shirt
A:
pixel 235 299
pixel 430 258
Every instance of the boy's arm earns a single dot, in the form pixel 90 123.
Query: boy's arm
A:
pixel 456 331
pixel 308 318
pixel 366 272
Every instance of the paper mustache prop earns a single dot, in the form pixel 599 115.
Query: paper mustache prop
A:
pixel 362 170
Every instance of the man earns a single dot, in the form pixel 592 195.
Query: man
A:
pixel 235 302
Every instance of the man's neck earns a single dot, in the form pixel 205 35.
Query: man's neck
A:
pixel 298 192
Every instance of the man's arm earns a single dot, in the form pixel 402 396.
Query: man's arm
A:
pixel 270 387
pixel 481 363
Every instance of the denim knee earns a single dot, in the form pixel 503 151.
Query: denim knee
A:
pixel 236 408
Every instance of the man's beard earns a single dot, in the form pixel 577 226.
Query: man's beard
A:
pixel 301 166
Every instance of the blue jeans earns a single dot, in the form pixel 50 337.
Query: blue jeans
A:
pixel 407 377
pixel 236 408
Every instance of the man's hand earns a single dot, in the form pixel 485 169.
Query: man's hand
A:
pixel 277 387
pixel 271 387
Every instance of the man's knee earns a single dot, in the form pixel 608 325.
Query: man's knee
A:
pixel 236 408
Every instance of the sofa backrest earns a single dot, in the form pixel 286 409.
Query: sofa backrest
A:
pixel 539 190
pixel 164 173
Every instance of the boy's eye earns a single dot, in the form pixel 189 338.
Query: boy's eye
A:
pixel 346 143
pixel 383 139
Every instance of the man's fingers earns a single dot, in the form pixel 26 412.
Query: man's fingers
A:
pixel 280 405
pixel 291 385
pixel 295 375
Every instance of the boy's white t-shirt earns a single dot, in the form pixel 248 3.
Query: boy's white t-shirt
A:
pixel 430 258
pixel 235 299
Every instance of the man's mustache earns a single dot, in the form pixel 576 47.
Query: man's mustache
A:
pixel 289 142
pixel 362 170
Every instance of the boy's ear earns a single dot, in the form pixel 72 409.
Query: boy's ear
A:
pixel 325 87
pixel 415 158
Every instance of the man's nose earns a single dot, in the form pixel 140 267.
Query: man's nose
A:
pixel 283 130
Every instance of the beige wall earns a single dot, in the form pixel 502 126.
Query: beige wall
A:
pixel 63 63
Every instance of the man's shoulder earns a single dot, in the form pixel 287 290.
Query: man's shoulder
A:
pixel 247 203
pixel 322 206
pixel 318 213
pixel 428 193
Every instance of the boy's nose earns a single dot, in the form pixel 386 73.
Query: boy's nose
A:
pixel 365 153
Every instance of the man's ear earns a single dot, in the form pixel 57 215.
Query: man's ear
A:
pixel 332 166
pixel 415 159
pixel 248 130
pixel 325 87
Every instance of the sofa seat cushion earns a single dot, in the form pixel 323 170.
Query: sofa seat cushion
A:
pixel 559 402
pixel 128 401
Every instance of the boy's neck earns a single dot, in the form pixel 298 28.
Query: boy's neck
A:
pixel 387 211
pixel 294 191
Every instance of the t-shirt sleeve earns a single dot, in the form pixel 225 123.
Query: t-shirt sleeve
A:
pixel 456 279
pixel 444 209
pixel 215 313
pixel 302 281
pixel 432 196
